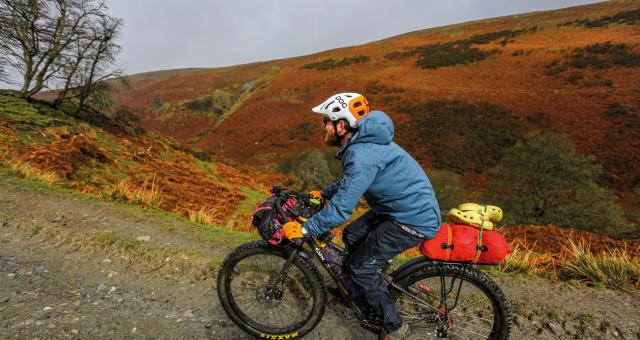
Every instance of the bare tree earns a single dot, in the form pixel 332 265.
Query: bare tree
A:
pixel 88 71
pixel 63 44
pixel 96 81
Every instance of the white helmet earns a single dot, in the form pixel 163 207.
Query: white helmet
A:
pixel 349 106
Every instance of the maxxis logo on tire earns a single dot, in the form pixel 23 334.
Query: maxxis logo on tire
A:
pixel 279 337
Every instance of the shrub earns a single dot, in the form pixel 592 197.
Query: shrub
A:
pixel 205 156
pixel 485 38
pixel 618 110
pixel 555 68
pixel 376 87
pixel 315 169
pixel 333 63
pixel 156 103
pixel 574 77
pixel 202 104
pixel 459 51
pixel 619 156
pixel 302 131
pixel 401 55
pixel 449 189
pixel 597 56
pixel 441 55
pixel 626 18
pixel 459 136
pixel 542 180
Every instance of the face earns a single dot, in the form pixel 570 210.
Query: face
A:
pixel 331 135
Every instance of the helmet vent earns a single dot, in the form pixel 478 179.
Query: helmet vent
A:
pixel 348 95
pixel 327 106
pixel 357 104
pixel 336 109
pixel 361 113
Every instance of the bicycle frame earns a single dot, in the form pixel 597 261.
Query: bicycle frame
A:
pixel 407 268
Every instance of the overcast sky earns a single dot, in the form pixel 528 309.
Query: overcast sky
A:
pixel 163 34
pixel 210 33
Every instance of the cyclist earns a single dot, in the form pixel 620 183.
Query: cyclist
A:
pixel 403 206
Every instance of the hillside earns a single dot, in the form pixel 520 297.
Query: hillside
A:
pixel 574 71
pixel 149 258
pixel 109 157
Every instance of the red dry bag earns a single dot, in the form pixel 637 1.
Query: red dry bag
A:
pixel 458 243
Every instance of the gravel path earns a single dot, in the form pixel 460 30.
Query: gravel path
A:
pixel 76 267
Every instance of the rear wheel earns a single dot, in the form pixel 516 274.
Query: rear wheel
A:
pixel 444 305
pixel 261 304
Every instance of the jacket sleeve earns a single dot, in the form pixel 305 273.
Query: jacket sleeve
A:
pixel 328 192
pixel 353 184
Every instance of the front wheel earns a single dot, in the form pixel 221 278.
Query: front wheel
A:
pixel 261 303
pixel 453 301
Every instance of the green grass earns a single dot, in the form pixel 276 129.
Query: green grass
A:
pixel 119 175
pixel 205 166
pixel 587 319
pixel 93 175
pixel 21 111
pixel 105 140
pixel 129 164
pixel 123 242
pixel 251 199
pixel 10 177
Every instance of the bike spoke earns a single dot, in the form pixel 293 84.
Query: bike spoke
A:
pixel 472 332
pixel 257 300
pixel 472 304
pixel 474 326
pixel 472 316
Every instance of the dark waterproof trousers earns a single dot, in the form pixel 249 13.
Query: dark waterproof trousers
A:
pixel 372 240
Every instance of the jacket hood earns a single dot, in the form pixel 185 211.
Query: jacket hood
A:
pixel 376 127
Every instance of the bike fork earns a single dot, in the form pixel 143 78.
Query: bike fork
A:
pixel 277 281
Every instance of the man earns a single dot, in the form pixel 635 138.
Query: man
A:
pixel 403 207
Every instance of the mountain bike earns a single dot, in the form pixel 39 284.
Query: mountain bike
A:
pixel 277 292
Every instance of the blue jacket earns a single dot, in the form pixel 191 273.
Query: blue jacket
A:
pixel 392 182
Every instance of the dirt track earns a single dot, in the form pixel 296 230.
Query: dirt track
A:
pixel 71 266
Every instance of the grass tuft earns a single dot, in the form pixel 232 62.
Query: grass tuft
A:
pixel 526 261
pixel 202 216
pixel 614 268
pixel 28 170
pixel 111 239
pixel 147 195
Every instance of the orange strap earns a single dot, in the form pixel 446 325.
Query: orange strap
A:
pixel 479 245
pixel 449 242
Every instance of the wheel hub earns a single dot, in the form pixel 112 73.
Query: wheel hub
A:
pixel 269 296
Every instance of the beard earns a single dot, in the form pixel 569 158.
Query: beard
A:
pixel 331 139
